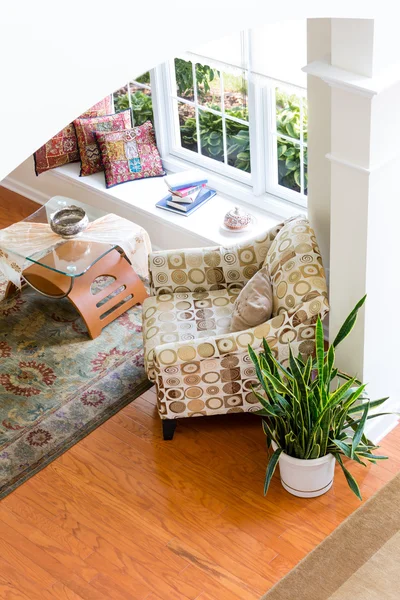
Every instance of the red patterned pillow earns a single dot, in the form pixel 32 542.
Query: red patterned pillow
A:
pixel 130 154
pixel 88 147
pixel 63 147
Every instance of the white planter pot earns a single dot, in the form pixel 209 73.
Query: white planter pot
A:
pixel 306 478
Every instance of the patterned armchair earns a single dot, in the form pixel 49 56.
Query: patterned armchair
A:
pixel 198 366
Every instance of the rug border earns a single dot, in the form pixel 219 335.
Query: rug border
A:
pixel 77 437
pixel 296 575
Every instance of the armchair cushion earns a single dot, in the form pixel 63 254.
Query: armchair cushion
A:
pixel 185 316
pixel 253 305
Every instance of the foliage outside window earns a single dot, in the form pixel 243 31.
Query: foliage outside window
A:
pixel 291 129
pixel 136 95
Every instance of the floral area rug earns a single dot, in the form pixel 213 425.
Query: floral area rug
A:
pixel 56 384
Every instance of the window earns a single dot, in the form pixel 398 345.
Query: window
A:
pixel 235 107
pixel 213 113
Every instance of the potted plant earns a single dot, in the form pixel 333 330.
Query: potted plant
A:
pixel 313 415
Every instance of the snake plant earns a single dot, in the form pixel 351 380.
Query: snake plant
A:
pixel 311 409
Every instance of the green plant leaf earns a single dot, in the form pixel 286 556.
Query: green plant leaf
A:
pixel 370 456
pixel 273 461
pixel 349 323
pixel 349 477
pixel 319 351
pixel 359 432
pixel 315 451
pixel 372 404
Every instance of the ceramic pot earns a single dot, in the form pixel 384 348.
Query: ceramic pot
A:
pixel 237 219
pixel 306 478
pixel 69 221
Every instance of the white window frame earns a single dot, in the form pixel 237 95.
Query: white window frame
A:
pixel 260 187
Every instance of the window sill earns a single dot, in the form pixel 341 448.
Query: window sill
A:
pixel 141 196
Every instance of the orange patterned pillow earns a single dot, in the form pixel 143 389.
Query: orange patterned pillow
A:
pixel 85 132
pixel 63 147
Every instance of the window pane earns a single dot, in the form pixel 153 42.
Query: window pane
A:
pixel 287 113
pixel 184 79
pixel 289 164
pixel 142 105
pixel 187 125
pixel 238 145
pixel 235 95
pixel 208 86
pixel 145 78
pixel 121 101
pixel 211 136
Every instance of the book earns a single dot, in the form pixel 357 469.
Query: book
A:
pixel 184 179
pixel 186 199
pixel 179 205
pixel 202 198
pixel 188 191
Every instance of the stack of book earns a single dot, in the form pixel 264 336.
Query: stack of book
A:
pixel 187 192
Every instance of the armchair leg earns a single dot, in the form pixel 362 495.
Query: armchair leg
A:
pixel 168 427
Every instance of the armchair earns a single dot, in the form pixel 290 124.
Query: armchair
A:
pixel 198 366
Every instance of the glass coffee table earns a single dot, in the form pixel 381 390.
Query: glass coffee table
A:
pixel 68 268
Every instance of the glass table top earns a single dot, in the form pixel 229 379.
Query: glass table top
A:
pixel 71 257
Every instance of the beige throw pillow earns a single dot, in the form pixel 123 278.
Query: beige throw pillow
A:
pixel 254 304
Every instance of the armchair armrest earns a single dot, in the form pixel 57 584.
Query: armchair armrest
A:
pixel 214 374
pixel 203 269
pixel 289 327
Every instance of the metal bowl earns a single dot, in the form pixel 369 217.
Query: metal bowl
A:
pixel 69 221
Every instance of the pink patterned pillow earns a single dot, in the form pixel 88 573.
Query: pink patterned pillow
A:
pixel 130 154
pixel 63 147
pixel 85 132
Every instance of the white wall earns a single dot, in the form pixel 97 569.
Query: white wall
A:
pixel 58 60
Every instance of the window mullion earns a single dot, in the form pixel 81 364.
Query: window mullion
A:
pixel 221 84
pixel 257 129
pixel 270 144
pixel 128 88
pixel 163 113
pixel 301 147
pixel 196 107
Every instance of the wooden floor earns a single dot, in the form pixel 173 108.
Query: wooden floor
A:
pixel 124 515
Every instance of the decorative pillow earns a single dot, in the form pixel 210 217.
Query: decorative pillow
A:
pixel 63 147
pixel 254 304
pixel 85 132
pixel 130 154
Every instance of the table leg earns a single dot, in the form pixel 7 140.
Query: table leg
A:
pixel 100 309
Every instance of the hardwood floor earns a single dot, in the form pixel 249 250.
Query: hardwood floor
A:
pixel 124 515
pixel 14 207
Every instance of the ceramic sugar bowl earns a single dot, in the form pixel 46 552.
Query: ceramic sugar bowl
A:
pixel 237 219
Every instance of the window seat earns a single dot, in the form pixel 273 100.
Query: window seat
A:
pixel 136 200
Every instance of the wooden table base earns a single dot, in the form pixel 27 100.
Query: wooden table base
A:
pixel 99 309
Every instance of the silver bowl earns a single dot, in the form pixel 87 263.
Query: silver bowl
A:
pixel 69 221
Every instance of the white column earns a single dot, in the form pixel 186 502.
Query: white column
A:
pixel 319 136
pixel 365 201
